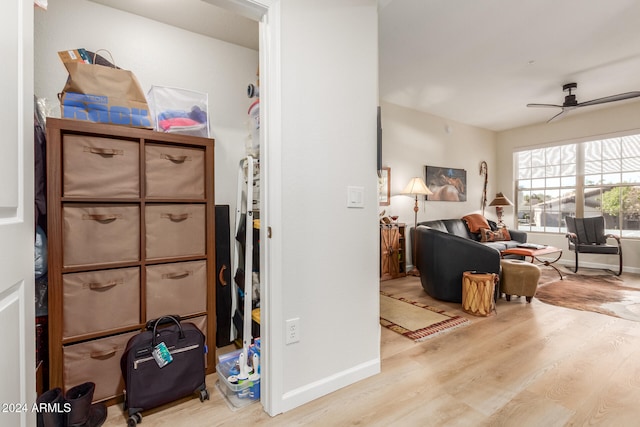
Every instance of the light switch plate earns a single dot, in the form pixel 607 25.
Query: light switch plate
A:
pixel 355 197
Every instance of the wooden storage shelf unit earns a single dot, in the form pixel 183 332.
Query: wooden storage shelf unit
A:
pixel 130 238
pixel 392 251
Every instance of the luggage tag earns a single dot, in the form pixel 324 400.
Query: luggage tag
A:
pixel 162 355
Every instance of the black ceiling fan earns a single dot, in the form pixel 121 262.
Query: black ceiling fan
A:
pixel 570 101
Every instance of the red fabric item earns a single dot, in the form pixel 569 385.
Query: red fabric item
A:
pixel 177 121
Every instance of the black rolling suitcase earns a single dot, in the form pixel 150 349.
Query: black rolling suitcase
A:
pixel 149 380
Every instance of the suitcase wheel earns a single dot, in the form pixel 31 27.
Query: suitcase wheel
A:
pixel 134 419
pixel 204 395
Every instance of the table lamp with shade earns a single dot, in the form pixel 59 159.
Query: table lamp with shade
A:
pixel 499 202
pixel 415 188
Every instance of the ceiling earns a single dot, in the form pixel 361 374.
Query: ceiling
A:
pixel 477 62
pixel 481 62
pixel 198 16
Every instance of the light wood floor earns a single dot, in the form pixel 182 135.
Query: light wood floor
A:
pixel 529 365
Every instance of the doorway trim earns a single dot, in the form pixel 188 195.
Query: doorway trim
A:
pixel 268 14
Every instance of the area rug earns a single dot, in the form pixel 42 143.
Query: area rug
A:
pixel 415 320
pixel 605 294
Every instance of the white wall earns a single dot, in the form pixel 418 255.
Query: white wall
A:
pixel 329 253
pixel 157 54
pixel 412 139
pixel 328 263
pixel 573 128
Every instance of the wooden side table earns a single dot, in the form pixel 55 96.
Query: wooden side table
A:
pixel 392 251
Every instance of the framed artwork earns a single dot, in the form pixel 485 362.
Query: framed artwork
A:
pixel 446 184
pixel 384 186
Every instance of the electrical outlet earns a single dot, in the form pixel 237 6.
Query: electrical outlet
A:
pixel 292 330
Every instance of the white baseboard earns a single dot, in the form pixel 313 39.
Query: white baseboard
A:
pixel 307 393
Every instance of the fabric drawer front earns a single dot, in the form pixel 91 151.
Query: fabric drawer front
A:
pixel 100 234
pixel 100 167
pixel 175 230
pixel 98 301
pixel 201 323
pixel 176 288
pixel 174 172
pixel 97 361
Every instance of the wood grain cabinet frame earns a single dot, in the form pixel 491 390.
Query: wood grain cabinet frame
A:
pixel 392 251
pixel 130 218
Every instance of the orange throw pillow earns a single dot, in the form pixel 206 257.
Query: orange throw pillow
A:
pixel 475 222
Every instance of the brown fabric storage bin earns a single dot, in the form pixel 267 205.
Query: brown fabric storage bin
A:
pixel 97 361
pixel 175 230
pixel 176 288
pixel 174 172
pixel 100 167
pixel 97 301
pixel 100 234
pixel 201 323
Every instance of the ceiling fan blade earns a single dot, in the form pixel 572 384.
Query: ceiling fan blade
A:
pixel 558 116
pixel 544 105
pixel 612 98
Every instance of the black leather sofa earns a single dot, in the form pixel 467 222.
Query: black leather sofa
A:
pixel 446 248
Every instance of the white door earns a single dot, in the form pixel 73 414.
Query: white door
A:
pixel 17 308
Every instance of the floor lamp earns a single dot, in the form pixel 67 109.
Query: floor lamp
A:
pixel 415 188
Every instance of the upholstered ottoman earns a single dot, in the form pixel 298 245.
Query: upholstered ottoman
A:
pixel 518 278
